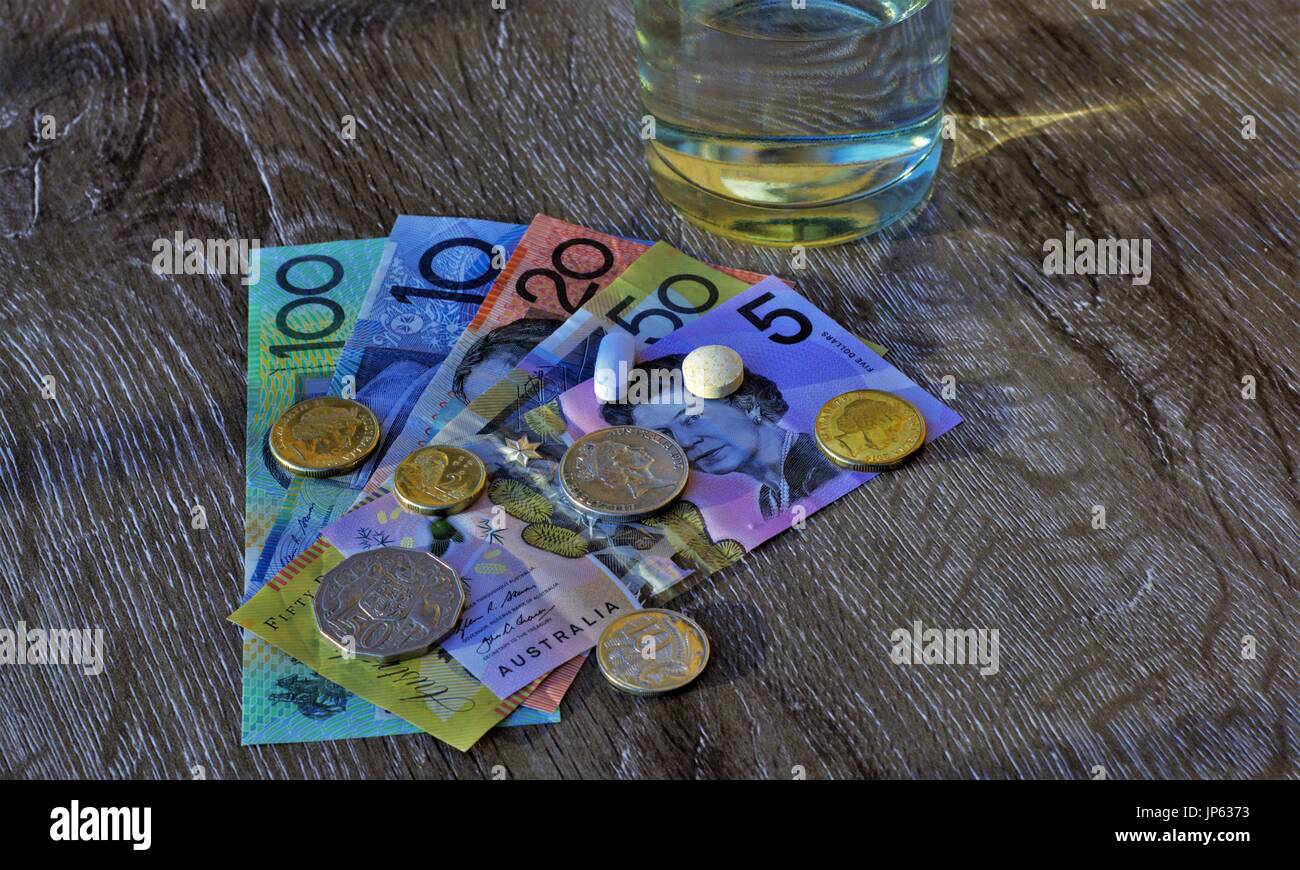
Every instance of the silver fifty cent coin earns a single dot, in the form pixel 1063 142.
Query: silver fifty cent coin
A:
pixel 623 473
pixel 389 604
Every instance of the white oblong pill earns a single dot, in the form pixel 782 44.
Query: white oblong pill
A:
pixel 713 371
pixel 614 359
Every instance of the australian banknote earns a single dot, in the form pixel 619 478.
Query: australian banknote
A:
pixel 557 268
pixel 434 274
pixel 302 309
pixel 434 277
pixel 661 291
pixel 687 285
pixel 434 693
pixel 755 467
pixel 542 579
pixel 529 611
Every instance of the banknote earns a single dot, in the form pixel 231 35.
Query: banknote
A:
pixel 287 702
pixel 533 604
pixel 555 268
pixel 301 310
pixel 521 717
pixel 523 511
pixel 284 701
pixel 649 298
pixel 542 579
pixel 755 466
pixel 434 274
pixel 434 692
pixel 527 716
pixel 661 291
pixel 663 267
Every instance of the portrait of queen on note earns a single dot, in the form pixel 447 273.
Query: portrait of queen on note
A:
pixel 741 433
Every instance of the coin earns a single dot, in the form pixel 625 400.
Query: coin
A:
pixel 324 436
pixel 649 652
pixel 869 430
pixel 623 473
pixel 439 480
pixel 389 604
pixel 713 371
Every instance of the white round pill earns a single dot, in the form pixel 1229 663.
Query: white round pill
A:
pixel 713 371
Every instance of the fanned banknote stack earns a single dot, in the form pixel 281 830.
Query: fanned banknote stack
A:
pixel 483 336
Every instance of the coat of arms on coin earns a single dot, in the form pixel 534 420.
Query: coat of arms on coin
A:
pixel 389 604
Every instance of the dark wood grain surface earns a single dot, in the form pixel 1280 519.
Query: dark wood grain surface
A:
pixel 1120 648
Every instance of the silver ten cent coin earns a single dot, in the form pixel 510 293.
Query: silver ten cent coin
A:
pixel 389 604
pixel 623 473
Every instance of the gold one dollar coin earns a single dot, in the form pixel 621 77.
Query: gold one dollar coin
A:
pixel 439 480
pixel 869 430
pixel 650 652
pixel 324 436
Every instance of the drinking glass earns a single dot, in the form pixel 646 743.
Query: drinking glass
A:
pixel 793 122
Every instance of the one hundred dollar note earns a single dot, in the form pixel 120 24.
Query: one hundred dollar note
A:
pixel 755 466
pixel 434 275
pixel 301 311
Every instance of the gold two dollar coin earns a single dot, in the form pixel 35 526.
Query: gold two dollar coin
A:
pixel 869 430
pixel 649 652
pixel 324 436
pixel 439 480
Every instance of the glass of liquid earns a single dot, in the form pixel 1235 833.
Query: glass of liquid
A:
pixel 793 122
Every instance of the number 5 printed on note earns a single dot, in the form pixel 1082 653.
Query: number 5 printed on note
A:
pixel 755 466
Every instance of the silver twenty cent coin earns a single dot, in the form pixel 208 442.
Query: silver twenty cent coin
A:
pixel 623 473
pixel 389 604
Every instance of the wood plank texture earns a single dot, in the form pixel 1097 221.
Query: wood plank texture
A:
pixel 1120 647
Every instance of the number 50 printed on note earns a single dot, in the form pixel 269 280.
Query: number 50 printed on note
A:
pixel 755 466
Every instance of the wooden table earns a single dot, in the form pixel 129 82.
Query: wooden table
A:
pixel 1121 648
